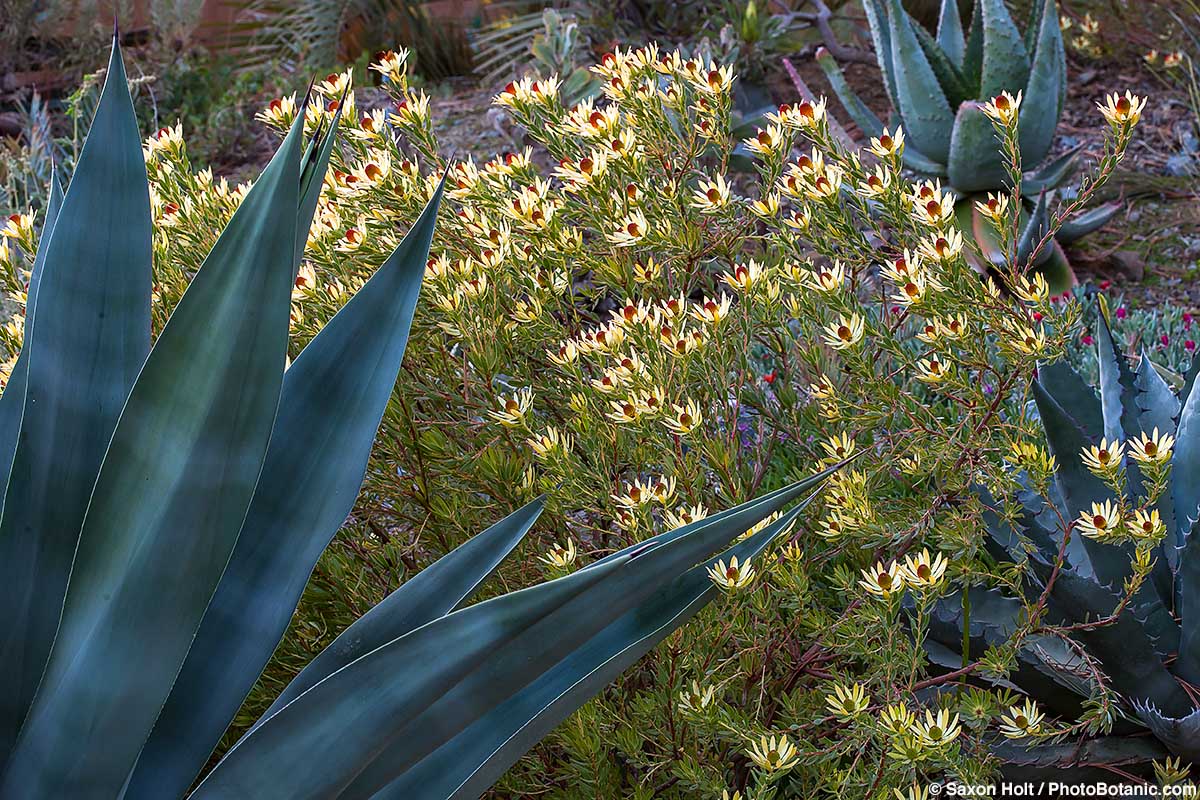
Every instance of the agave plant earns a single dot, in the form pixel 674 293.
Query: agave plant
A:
pixel 1146 651
pixel 938 84
pixel 164 504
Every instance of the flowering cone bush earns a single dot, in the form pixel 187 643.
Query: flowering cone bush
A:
pixel 613 319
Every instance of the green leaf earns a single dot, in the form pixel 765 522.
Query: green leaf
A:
pixel 1185 464
pixel 1034 230
pixel 12 400
pixel 1085 222
pixel 949 77
pixel 881 39
pixel 1087 760
pixel 1069 390
pixel 1117 386
pixel 972 65
pixel 432 593
pixel 1051 174
pixel 1127 655
pixel 1079 487
pixel 923 108
pixel 1005 60
pixel 950 32
pixel 1180 735
pixel 90 335
pixel 1046 80
pixel 168 503
pixel 1187 583
pixel 976 163
pixel 469 763
pixel 479 656
pixel 332 401
pixel 863 116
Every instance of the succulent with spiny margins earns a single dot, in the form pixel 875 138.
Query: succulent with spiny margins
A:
pixel 938 85
pixel 164 503
pixel 1126 484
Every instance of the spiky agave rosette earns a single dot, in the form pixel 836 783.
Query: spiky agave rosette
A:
pixel 1097 638
pixel 938 85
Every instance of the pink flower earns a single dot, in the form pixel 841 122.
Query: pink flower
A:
pixel 1122 313
pixel 1165 340
pixel 1189 345
pixel 1038 316
pixel 1105 285
pixel 1087 339
pixel 1187 322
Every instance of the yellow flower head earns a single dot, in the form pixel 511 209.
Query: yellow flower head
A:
pixel 697 699
pixel 633 229
pixel 766 141
pixel 559 556
pixel 1146 525
pixel 847 702
pixel 1021 721
pixel 837 447
pixel 932 370
pixel 513 408
pixel 942 246
pixel 888 144
pixel 684 419
pixel 1003 108
pixel 846 332
pixel 745 276
pixel 897 719
pixel 993 207
pixel 1105 458
pixel 922 571
pixel 883 581
pixel 774 754
pixel 546 444
pixel 684 515
pixel 711 196
pixel 1122 110
pixel 712 311
pixel 1101 522
pixel 1032 289
pixel 938 730
pixel 1152 448
pixel 876 183
pixel 732 575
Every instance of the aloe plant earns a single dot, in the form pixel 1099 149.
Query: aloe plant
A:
pixel 1147 649
pixel 938 83
pixel 164 504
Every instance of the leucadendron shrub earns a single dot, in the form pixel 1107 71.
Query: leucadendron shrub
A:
pixel 615 316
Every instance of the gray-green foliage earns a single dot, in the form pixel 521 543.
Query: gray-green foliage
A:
pixel 1118 618
pixel 165 503
pixel 938 83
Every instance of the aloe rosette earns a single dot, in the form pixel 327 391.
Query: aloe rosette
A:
pixel 938 84
pixel 165 502
pixel 1146 650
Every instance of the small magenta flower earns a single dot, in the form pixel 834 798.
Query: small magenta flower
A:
pixel 1187 322
pixel 1122 313
pixel 1166 340
pixel 1189 345
pixel 1088 340
pixel 1105 285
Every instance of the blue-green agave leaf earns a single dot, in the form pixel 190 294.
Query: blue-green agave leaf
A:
pixel 972 65
pixel 1005 60
pixel 923 108
pixel 332 401
pixel 1185 469
pixel 1157 405
pixel 1035 229
pixel 1117 386
pixel 473 760
pixel 90 335
pixel 481 654
pixel 1124 648
pixel 863 116
pixel 1085 222
pixel 881 39
pixel 949 76
pixel 1180 735
pixel 432 593
pixel 1187 584
pixel 1052 174
pixel 1079 487
pixel 12 400
pixel 1046 79
pixel 1071 391
pixel 168 503
pixel 976 163
pixel 950 32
